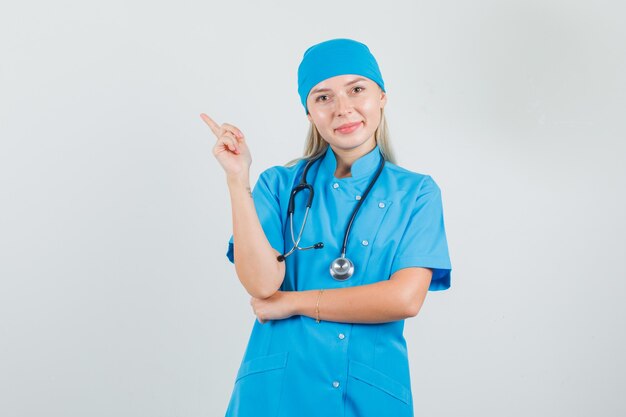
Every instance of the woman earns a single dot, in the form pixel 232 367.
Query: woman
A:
pixel 329 336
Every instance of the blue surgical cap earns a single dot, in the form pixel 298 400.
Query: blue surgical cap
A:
pixel 335 57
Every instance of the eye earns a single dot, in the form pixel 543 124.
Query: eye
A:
pixel 321 98
pixel 358 89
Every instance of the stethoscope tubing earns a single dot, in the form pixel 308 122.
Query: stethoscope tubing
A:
pixel 304 185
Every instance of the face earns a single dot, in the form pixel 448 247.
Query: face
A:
pixel 346 111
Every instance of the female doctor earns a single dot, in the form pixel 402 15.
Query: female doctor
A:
pixel 331 284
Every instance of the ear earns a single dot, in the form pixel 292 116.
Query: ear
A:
pixel 383 99
pixel 308 115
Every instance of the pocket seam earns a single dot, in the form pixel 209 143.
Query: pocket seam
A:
pixel 262 364
pixel 379 380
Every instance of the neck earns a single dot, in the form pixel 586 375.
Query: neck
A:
pixel 345 159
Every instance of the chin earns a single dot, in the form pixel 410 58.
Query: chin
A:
pixel 352 144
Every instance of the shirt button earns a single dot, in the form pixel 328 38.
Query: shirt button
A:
pixel 358 197
pixel 336 384
pixel 381 205
pixel 342 336
pixel 335 185
pixel 365 243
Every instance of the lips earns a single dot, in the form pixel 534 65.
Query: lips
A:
pixel 348 127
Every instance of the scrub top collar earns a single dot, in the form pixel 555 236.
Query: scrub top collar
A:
pixel 361 168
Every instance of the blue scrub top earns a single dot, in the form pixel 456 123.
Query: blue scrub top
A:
pixel 298 367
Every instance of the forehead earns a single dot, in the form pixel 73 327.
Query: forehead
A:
pixel 338 82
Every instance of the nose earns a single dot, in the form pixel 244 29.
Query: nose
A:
pixel 344 105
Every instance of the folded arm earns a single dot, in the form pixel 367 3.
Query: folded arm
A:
pixel 398 298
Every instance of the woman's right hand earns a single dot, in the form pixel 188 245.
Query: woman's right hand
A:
pixel 230 149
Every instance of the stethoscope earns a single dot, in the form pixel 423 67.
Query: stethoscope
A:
pixel 341 268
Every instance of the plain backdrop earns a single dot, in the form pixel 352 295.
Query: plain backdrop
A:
pixel 116 297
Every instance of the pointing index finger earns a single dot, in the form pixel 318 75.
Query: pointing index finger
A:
pixel 215 128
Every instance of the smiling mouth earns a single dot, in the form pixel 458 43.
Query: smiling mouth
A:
pixel 349 129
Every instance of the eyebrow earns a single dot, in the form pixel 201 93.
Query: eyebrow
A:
pixel 319 90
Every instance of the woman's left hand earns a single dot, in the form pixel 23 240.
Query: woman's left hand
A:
pixel 277 307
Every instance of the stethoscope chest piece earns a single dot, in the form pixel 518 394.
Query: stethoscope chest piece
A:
pixel 341 268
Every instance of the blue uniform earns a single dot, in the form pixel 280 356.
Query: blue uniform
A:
pixel 298 367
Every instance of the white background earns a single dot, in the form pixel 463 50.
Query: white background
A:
pixel 116 296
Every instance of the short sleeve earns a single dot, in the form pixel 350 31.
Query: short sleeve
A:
pixel 424 243
pixel 267 206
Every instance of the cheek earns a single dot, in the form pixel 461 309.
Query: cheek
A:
pixel 370 104
pixel 372 110
pixel 319 119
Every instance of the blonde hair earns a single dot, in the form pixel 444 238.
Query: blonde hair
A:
pixel 315 145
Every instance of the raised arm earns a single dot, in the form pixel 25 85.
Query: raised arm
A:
pixel 255 260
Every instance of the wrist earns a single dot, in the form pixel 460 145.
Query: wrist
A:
pixel 238 180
